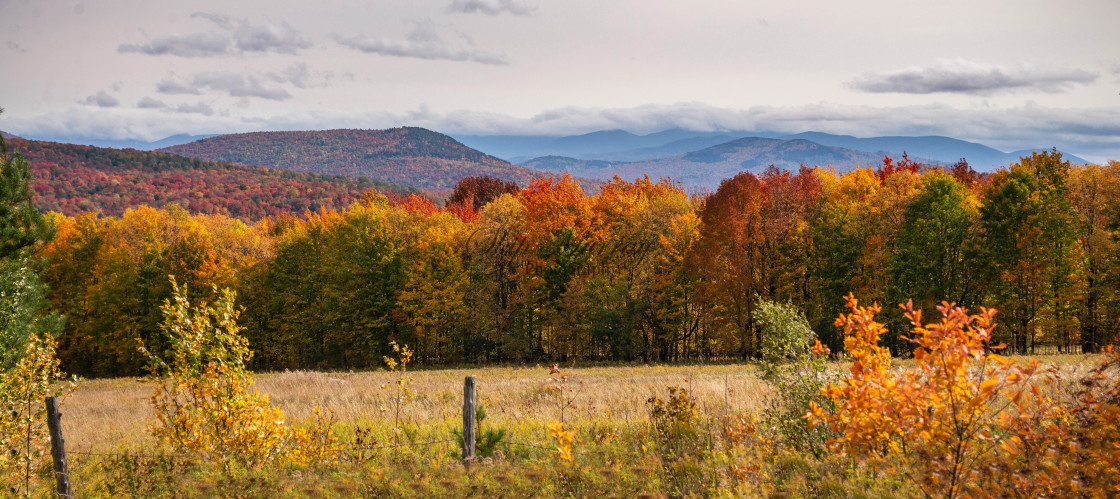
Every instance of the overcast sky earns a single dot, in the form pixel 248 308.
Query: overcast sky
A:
pixel 1009 73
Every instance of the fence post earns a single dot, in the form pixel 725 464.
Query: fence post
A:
pixel 468 419
pixel 58 449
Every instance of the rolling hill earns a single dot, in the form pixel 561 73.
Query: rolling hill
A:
pixel 591 168
pixel 409 156
pixel 707 167
pixel 934 147
pixel 607 145
pixel 73 179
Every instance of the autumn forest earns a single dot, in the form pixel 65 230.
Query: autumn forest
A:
pixel 642 270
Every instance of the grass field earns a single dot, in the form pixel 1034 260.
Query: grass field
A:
pixel 383 454
pixel 107 414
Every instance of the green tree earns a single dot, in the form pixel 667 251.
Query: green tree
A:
pixel 22 302
pixel 932 246
pixel 21 224
pixel 1031 251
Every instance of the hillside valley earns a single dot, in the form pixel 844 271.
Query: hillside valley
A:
pixel 73 179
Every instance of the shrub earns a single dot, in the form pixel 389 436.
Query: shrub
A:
pixel 942 424
pixel 203 401
pixel 798 376
pixel 674 422
pixel 23 435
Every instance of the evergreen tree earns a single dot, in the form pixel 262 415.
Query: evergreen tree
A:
pixel 21 292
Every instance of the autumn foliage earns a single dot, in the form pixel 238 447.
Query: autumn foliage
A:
pixel 640 270
pixel 966 421
pixel 72 179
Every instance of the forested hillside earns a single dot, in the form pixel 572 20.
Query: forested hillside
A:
pixel 409 156
pixel 71 179
pixel 640 270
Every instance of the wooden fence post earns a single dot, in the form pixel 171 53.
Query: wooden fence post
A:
pixel 468 419
pixel 58 449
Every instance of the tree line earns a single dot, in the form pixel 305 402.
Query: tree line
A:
pixel 642 270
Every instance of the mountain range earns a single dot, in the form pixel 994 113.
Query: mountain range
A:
pixel 622 146
pixel 707 167
pixel 411 156
pixel 434 162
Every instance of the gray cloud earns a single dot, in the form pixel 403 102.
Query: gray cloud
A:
pixel 232 37
pixel 199 108
pixel 490 7
pixel 203 44
pixel 102 99
pixel 150 103
pixel 297 75
pixel 16 47
pixel 422 43
pixel 176 87
pixel 967 77
pixel 281 38
pixel 237 85
pixel 222 21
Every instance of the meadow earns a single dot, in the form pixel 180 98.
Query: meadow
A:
pixel 617 449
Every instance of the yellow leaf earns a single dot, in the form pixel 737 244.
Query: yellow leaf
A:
pixel 988 385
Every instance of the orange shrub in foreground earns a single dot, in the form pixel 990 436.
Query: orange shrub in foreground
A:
pixel 967 422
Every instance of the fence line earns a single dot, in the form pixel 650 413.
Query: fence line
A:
pixel 62 472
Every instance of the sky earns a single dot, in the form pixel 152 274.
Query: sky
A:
pixel 1011 74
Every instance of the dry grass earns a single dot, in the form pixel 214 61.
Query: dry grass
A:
pixel 115 413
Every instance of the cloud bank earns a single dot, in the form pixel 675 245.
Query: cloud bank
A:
pixel 967 77
pixel 490 7
pixel 421 43
pixel 232 37
pixel 1092 132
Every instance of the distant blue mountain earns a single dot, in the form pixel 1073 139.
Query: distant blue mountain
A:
pixel 707 167
pixel 1065 155
pixel 673 148
pixel 623 146
pixel 607 145
pixel 945 150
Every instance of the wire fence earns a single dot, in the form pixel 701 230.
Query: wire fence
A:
pixel 354 451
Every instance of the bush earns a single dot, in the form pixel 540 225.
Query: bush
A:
pixel 798 376
pixel 23 432
pixel 203 402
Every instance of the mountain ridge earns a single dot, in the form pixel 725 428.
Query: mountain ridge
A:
pixel 933 148
pixel 707 167
pixel 406 155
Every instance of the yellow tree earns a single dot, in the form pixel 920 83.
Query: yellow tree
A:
pixel 433 296
pixel 1094 191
